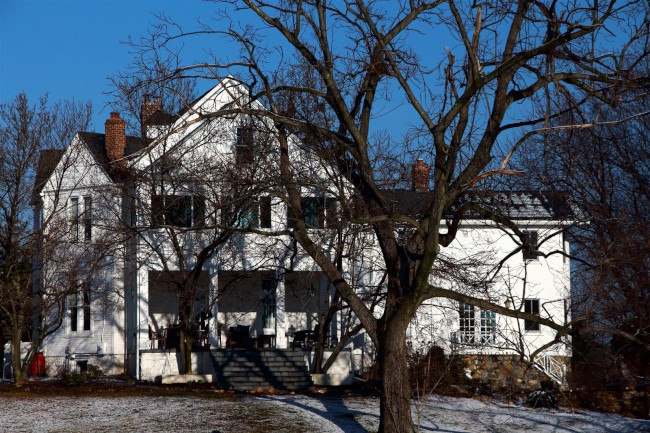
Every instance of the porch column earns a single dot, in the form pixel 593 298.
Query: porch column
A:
pixel 213 323
pixel 280 310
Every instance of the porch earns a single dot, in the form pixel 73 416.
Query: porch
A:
pixel 240 310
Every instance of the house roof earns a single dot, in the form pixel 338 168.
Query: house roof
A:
pixel 49 158
pixel 515 205
pixel 96 143
pixel 47 161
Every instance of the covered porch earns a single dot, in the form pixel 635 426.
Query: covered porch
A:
pixel 241 310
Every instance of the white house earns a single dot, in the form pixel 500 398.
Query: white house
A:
pixel 253 287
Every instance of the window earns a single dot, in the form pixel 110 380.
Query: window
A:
pixel 177 210
pixel 467 323
pixel 79 308
pixel 244 145
pixel 317 212
pixel 255 214
pixel 531 306
pixel 472 331
pixel 88 218
pixel 529 247
pixel 488 327
pixel 80 220
pixel 73 217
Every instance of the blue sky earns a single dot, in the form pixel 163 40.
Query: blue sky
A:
pixel 68 48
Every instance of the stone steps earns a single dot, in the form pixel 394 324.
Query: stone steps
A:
pixel 246 370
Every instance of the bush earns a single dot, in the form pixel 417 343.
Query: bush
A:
pixel 72 378
pixel 542 398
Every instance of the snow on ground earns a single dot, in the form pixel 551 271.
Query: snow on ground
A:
pixel 291 414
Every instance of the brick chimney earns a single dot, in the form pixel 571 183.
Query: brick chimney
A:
pixel 420 176
pixel 150 105
pixel 115 137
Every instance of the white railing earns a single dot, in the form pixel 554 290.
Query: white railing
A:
pixel 553 366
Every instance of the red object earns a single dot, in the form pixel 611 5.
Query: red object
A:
pixel 37 367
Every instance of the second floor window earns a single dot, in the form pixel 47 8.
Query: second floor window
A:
pixel 80 219
pixel 88 218
pixel 529 247
pixel 254 214
pixel 177 210
pixel 73 217
pixel 317 212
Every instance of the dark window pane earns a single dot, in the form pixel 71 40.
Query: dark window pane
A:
pixel 199 210
pixel 291 218
pixel 531 306
pixel 157 210
pixel 86 306
pixel 265 212
pixel 332 213
pixel 530 245
pixel 313 211
pixel 88 222
pixel 72 301
pixel 179 210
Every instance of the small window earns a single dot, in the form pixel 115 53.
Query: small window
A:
pixel 529 247
pixel 531 306
pixel 244 145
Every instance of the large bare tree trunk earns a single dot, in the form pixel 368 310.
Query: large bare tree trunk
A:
pixel 395 401
pixel 185 345
pixel 20 374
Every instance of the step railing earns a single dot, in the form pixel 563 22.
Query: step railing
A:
pixel 553 366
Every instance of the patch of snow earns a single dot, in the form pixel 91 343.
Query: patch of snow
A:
pixel 288 413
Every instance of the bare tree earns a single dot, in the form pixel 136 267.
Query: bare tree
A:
pixel 606 170
pixel 466 103
pixel 25 132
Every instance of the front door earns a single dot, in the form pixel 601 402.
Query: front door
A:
pixel 268 304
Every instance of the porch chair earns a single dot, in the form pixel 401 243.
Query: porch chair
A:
pixel 156 336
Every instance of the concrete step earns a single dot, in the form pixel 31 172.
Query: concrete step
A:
pixel 252 369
